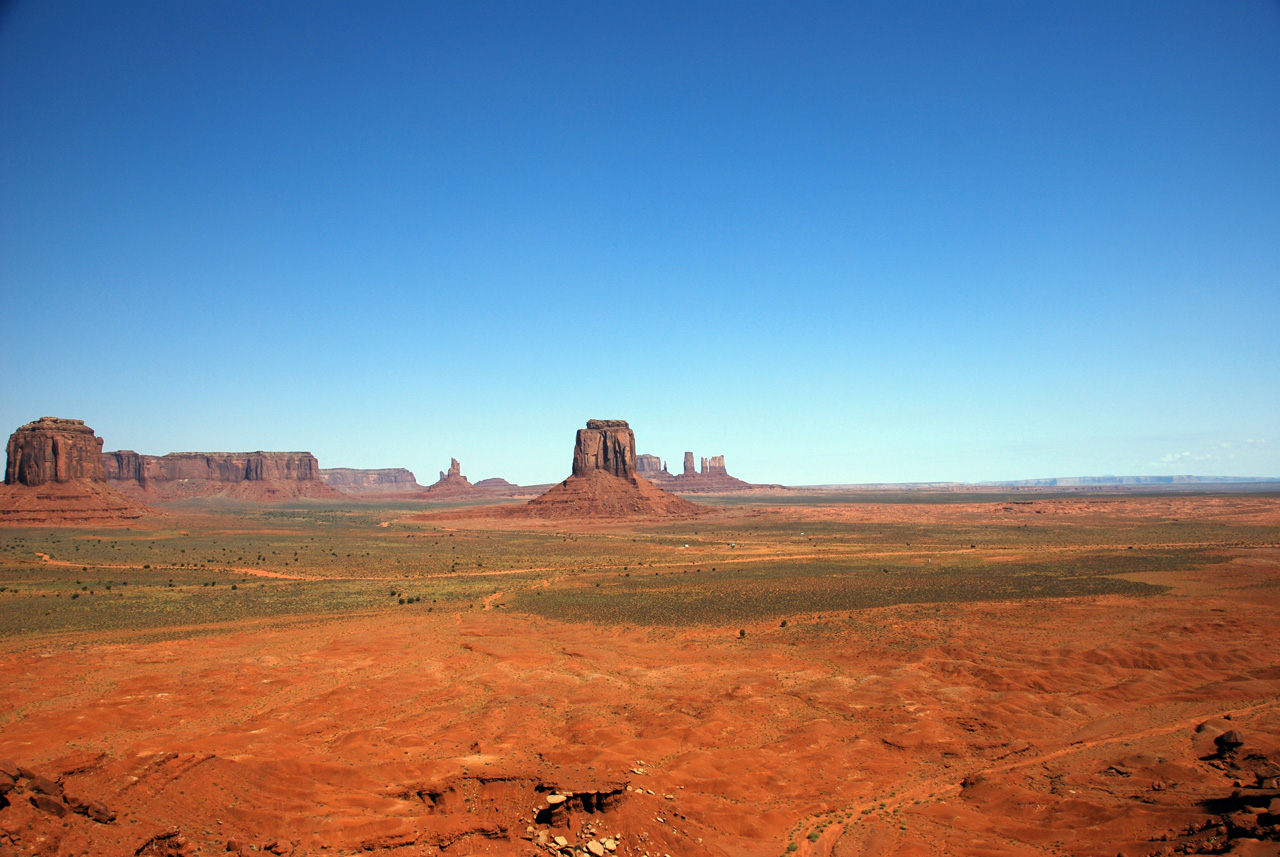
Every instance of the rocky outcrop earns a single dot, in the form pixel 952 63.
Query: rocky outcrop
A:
pixel 604 482
pixel 651 467
pixel 713 466
pixel 452 483
pixel 710 478
pixel 258 476
pixel 389 480
pixel 53 450
pixel 605 446
pixel 55 475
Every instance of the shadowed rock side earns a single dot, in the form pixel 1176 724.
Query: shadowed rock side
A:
pixel 389 480
pixel 256 476
pixel 54 475
pixel 604 483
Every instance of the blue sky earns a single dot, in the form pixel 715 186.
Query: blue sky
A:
pixel 846 242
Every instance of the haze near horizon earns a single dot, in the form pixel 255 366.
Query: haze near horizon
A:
pixel 837 243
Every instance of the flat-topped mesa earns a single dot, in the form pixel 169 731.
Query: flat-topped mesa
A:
pixel 53 450
pixel 243 475
pixel 605 446
pixel 350 480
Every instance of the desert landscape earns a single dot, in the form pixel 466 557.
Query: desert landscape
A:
pixel 662 429
pixel 612 669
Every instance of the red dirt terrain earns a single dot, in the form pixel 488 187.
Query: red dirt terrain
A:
pixel 1080 726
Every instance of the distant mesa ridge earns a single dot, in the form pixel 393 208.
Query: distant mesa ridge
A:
pixel 54 474
pixel 350 480
pixel 238 475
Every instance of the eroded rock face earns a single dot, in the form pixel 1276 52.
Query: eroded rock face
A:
pixel 54 450
pixel 688 465
pixel 246 475
pixel 605 446
pixel 228 467
pixel 713 466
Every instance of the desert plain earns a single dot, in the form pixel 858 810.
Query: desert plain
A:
pixel 810 674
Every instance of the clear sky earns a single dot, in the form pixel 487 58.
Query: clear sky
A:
pixel 844 242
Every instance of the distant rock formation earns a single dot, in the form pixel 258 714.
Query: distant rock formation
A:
pixel 388 480
pixel 451 484
pixel 710 478
pixel 651 467
pixel 54 475
pixel 256 476
pixel 604 482
pixel 496 483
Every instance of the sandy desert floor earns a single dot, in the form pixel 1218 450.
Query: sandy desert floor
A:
pixel 614 687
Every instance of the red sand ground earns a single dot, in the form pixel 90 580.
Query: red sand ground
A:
pixel 1080 726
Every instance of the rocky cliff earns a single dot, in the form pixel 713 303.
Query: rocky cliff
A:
pixel 54 475
pixel 240 475
pixel 604 483
pixel 53 450
pixel 605 446
pixel 387 480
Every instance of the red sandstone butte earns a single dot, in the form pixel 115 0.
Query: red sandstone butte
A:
pixel 604 483
pixel 54 475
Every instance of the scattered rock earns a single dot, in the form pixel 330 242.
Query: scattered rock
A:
pixel 1228 742
pixel 45 786
pixel 51 805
